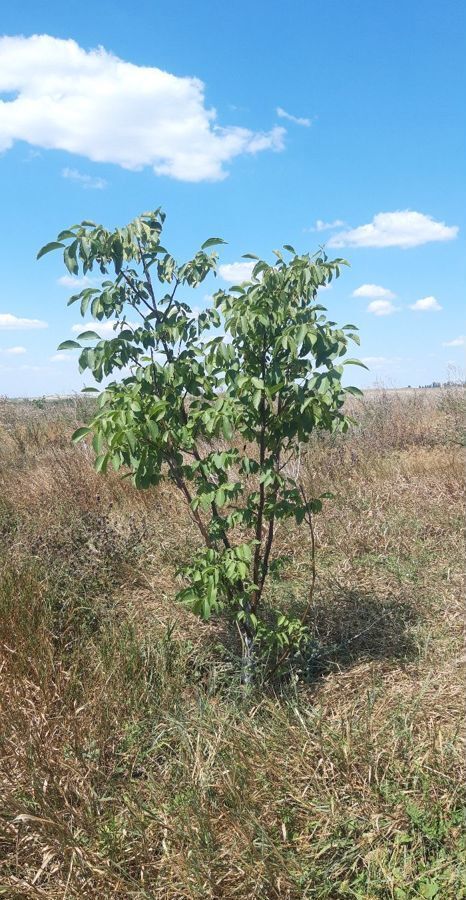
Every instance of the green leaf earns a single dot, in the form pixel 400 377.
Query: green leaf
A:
pixel 101 462
pixel 429 889
pixel 118 254
pixel 88 336
pixel 256 399
pixel 90 390
pixel 220 497
pixel 97 442
pixel 227 430
pixel 188 596
pixel 212 242
pixel 353 390
pixel 69 345
pixel 355 362
pixel 69 258
pixel 79 434
pixel 261 266
pixel 116 460
pixel 66 234
pixel 54 245
pixel 153 429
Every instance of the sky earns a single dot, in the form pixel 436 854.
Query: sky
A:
pixel 339 124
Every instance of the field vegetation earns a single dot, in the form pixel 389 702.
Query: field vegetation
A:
pixel 133 763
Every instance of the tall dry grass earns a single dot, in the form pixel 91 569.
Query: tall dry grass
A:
pixel 133 766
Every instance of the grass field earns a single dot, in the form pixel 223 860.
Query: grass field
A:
pixel 132 763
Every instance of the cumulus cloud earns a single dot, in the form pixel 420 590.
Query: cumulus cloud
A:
pixel 105 329
pixel 382 308
pixel 404 228
pixel 297 120
pixel 72 281
pixel 426 304
pixel 456 342
pixel 61 357
pixel 236 272
pixel 9 322
pixel 99 106
pixel 373 292
pixel 380 362
pixel 13 351
pixel 320 225
pixel 86 181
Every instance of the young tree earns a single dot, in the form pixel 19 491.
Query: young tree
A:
pixel 219 403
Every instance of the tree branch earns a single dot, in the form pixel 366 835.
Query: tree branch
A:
pixel 136 290
pixel 307 610
pixel 270 533
pixel 187 495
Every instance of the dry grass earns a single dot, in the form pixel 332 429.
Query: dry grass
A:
pixel 132 766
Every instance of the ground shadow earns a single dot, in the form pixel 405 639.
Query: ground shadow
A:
pixel 348 625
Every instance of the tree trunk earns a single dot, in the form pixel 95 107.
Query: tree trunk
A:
pixel 248 659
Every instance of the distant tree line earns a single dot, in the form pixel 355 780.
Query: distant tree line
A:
pixel 444 384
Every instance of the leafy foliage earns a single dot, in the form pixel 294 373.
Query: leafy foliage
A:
pixel 219 403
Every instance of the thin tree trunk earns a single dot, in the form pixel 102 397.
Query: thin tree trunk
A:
pixel 248 657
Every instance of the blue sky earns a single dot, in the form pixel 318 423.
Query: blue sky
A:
pixel 378 146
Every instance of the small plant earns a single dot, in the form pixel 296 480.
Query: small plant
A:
pixel 219 403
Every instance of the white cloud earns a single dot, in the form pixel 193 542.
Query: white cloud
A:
pixel 297 120
pixel 62 357
pixel 373 291
pixel 426 304
pixel 108 110
pixel 456 342
pixel 14 351
pixel 236 272
pixel 9 322
pixel 105 329
pixel 404 228
pixel 380 362
pixel 71 281
pixel 382 308
pixel 320 225
pixel 89 182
